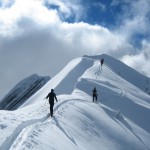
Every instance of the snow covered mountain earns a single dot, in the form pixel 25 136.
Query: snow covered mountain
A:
pixel 118 121
pixel 126 72
pixel 22 91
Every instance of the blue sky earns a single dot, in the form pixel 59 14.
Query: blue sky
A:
pixel 99 12
pixel 107 13
pixel 42 36
pixel 102 12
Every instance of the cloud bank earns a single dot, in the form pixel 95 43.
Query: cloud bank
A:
pixel 42 36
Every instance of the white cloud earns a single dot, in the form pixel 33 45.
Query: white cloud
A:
pixel 135 21
pixel 17 17
pixel 67 8
pixel 140 61
pixel 135 18
pixel 6 3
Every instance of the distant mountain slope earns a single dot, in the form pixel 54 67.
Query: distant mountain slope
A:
pixel 22 91
pixel 126 72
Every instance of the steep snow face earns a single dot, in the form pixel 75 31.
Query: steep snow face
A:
pixel 63 82
pixel 117 93
pixel 118 121
pixel 126 72
pixel 22 91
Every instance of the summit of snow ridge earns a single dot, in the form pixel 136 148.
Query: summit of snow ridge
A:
pixel 126 72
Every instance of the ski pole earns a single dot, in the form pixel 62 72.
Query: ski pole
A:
pixel 44 104
pixel 57 104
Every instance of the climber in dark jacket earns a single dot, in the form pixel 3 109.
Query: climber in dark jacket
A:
pixel 51 97
pixel 95 94
pixel 102 61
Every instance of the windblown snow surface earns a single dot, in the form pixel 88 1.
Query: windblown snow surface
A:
pixel 120 120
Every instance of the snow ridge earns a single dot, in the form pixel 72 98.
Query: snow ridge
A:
pixel 118 121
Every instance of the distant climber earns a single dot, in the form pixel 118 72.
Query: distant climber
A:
pixel 51 97
pixel 102 61
pixel 95 95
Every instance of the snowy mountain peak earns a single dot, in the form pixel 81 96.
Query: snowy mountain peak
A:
pixel 125 72
pixel 22 91
pixel 119 120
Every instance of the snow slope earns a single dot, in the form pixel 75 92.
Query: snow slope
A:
pixel 118 121
pixel 126 72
